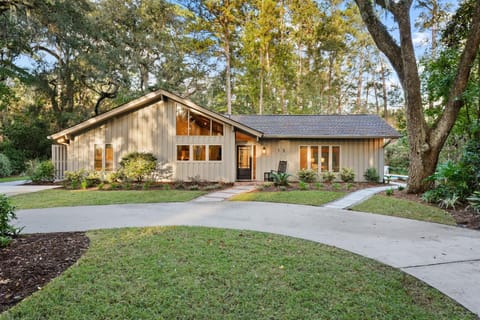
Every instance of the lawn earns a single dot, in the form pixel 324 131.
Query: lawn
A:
pixel 69 198
pixel 309 197
pixel 204 273
pixel 404 208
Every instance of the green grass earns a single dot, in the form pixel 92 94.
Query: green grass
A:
pixel 309 197
pixel 404 208
pixel 15 178
pixel 69 198
pixel 203 273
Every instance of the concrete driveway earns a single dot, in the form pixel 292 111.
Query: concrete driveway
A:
pixel 447 258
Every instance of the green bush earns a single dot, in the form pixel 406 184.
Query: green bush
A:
pixel 5 166
pixel 280 178
pixel 302 185
pixel 474 201
pixel 371 175
pixel 138 165
pixel 347 175
pixel 308 176
pixel 389 192
pixel 7 214
pixel 328 176
pixel 451 179
pixel 43 172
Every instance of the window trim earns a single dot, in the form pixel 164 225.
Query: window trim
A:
pixel 103 148
pixel 319 151
pixel 188 116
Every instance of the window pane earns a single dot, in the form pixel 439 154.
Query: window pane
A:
pixel 199 153
pixel 108 157
pixel 199 125
pixel 303 158
pixel 183 153
pixel 324 159
pixel 314 158
pixel 98 157
pixel 182 121
pixel 335 159
pixel 217 129
pixel 215 153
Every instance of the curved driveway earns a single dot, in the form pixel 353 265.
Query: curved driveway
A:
pixel 447 258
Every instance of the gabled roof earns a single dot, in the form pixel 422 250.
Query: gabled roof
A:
pixel 145 101
pixel 319 126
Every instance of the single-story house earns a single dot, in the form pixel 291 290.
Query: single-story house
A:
pixel 196 142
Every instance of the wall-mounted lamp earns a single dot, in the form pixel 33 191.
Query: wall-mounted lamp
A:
pixel 264 150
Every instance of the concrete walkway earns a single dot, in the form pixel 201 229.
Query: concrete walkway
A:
pixel 225 194
pixel 359 196
pixel 18 187
pixel 447 258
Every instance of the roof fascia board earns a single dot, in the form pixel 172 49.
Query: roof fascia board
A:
pixel 327 137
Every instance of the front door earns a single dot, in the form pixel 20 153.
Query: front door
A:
pixel 244 162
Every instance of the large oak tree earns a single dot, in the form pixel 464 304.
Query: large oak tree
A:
pixel 426 141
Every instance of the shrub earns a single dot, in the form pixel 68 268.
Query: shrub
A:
pixel 194 187
pixel 43 172
pixel 401 188
pixel 5 166
pixel 7 214
pixel 74 178
pixel 212 187
pixel 328 176
pixel 450 179
pixel 371 175
pixel 347 175
pixel 138 165
pixel 449 202
pixel 336 186
pixel 308 176
pixel 389 192
pixel 474 201
pixel 302 185
pixel 280 178
pixel 318 185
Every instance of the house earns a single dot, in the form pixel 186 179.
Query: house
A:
pixel 196 142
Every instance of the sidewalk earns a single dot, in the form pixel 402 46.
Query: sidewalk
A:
pixel 359 196
pixel 13 188
pixel 225 194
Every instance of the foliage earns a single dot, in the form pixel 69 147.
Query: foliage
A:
pixel 7 214
pixel 347 175
pixel 42 172
pixel 307 175
pixel 371 175
pixel 389 192
pixel 138 165
pixel 5 166
pixel 474 201
pixel 74 178
pixel 328 176
pixel 303 185
pixel 280 178
pixel 397 156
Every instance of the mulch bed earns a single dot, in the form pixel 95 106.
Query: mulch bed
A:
pixel 31 261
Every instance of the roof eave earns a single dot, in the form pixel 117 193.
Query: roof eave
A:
pixel 276 136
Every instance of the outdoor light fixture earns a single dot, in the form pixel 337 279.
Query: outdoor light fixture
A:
pixel 264 150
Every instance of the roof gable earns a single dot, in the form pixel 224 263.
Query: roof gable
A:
pixel 145 101
pixel 319 126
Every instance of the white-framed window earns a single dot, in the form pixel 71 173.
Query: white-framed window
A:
pixel 320 158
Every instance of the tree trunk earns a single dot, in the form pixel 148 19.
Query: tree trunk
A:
pixel 228 77
pixel 384 85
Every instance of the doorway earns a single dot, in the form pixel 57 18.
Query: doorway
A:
pixel 244 162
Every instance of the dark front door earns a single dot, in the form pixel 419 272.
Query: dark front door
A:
pixel 244 162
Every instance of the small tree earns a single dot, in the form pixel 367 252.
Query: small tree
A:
pixel 138 165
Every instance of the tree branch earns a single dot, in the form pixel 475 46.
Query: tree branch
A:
pixel 380 35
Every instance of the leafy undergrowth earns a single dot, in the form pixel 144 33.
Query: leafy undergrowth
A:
pixel 203 273
pixel 404 208
pixel 69 198
pixel 308 197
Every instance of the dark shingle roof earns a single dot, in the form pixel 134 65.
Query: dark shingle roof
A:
pixel 318 126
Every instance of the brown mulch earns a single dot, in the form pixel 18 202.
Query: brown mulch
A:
pixel 31 261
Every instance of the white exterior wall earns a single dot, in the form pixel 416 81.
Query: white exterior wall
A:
pixel 358 154
pixel 152 129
